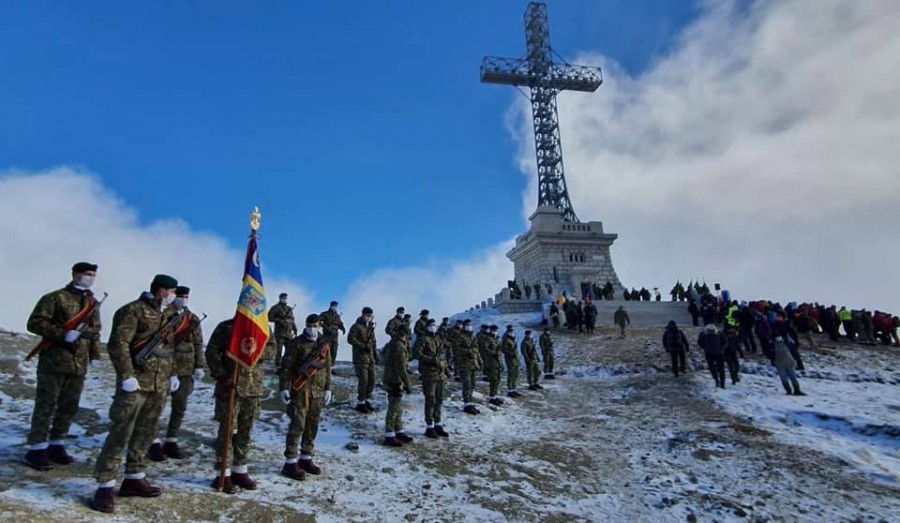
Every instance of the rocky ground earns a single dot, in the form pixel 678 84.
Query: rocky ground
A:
pixel 616 437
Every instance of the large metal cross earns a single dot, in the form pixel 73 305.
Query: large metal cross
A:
pixel 545 79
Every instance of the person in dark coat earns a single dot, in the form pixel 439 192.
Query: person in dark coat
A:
pixel 590 315
pixel 554 315
pixel 676 344
pixel 579 317
pixel 732 350
pixel 713 344
pixel 695 313
pixel 747 320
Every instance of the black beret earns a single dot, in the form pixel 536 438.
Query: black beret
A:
pixel 406 316
pixel 467 321
pixel 494 327
pixel 367 310
pixel 509 327
pixel 163 281
pixel 446 319
pixel 424 312
pixel 283 295
pixel 312 318
pixel 334 303
pixel 430 321
pixel 401 310
pixel 84 267
pixel 527 332
pixel 181 290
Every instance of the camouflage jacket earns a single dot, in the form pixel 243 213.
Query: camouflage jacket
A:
pixel 362 339
pixel 528 350
pixel 283 318
pixel 421 327
pixel 492 354
pixel 250 381
pixel 432 357
pixel 443 333
pixel 296 353
pixel 52 311
pixel 331 323
pixel 508 347
pixel 546 342
pixel 466 352
pixel 135 322
pixel 396 363
pixel 189 348
pixel 392 325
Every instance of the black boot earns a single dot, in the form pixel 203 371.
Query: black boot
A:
pixel 243 480
pixel 403 438
pixel 470 409
pixel 58 454
pixel 429 433
pixel 227 486
pixel 369 406
pixel 139 488
pixel 361 408
pixel 38 460
pixel 306 465
pixel 156 453
pixel 104 500
pixel 797 392
pixel 292 470
pixel 391 441
pixel 170 448
pixel 439 430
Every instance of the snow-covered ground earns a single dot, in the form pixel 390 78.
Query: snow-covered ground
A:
pixel 616 437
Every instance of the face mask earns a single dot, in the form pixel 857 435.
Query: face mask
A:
pixel 367 319
pixel 283 301
pixel 84 282
pixel 333 309
pixel 467 328
pixel 311 332
pixel 168 299
pixel 432 328
pixel 180 302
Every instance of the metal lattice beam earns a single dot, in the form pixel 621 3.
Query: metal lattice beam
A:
pixel 545 79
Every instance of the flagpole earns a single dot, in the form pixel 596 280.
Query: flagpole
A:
pixel 229 420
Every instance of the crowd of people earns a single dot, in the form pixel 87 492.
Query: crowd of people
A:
pixel 156 349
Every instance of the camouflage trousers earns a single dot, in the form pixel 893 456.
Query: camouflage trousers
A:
pixel 434 399
pixel 393 420
pixel 548 361
pixel 179 405
pixel 55 404
pixel 512 373
pixel 493 376
pixel 133 421
pixel 365 375
pixel 468 377
pixel 532 371
pixel 304 410
pixel 333 351
pixel 281 341
pixel 246 412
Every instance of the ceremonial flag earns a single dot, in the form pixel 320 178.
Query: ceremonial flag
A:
pixel 251 321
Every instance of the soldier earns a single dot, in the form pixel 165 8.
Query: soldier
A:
pixel 394 322
pixel 468 361
pixel 532 370
pixel 396 381
pixel 621 319
pixel 546 343
pixel 140 393
pixel 331 323
pixel 248 393
pixel 62 365
pixel 285 327
pixel 304 406
pixel 481 340
pixel 421 323
pixel 365 358
pixel 434 370
pixel 443 335
pixel 508 347
pixel 492 366
pixel 188 366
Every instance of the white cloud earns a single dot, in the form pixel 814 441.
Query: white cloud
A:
pixel 52 219
pixel 760 151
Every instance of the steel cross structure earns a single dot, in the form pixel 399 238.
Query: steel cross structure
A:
pixel 545 79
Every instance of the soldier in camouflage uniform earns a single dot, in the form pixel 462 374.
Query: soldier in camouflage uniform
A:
pixel 248 391
pixel 395 322
pixel 365 358
pixel 304 406
pixel 285 328
pixel 188 366
pixel 532 369
pixel 140 393
pixel 468 361
pixel 481 339
pixel 443 335
pixel 331 323
pixel 492 366
pixel 546 343
pixel 511 357
pixel 396 381
pixel 61 366
pixel 422 323
pixel 434 370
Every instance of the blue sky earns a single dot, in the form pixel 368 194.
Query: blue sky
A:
pixel 359 128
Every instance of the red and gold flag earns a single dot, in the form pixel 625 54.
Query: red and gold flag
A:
pixel 251 321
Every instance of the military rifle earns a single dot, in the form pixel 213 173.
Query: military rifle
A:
pixel 147 348
pixel 313 365
pixel 192 324
pixel 78 323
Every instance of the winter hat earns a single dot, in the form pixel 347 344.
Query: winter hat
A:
pixel 312 318
pixel 163 281
pixel 181 290
pixel 84 267
pixel 424 312
pixel 367 310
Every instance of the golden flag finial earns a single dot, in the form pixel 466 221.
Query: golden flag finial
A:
pixel 255 218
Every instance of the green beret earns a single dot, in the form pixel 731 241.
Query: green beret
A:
pixel 163 281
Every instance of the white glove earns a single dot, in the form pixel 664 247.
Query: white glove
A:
pixel 131 385
pixel 327 398
pixel 95 364
pixel 72 336
pixel 198 374
pixel 286 396
pixel 174 383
